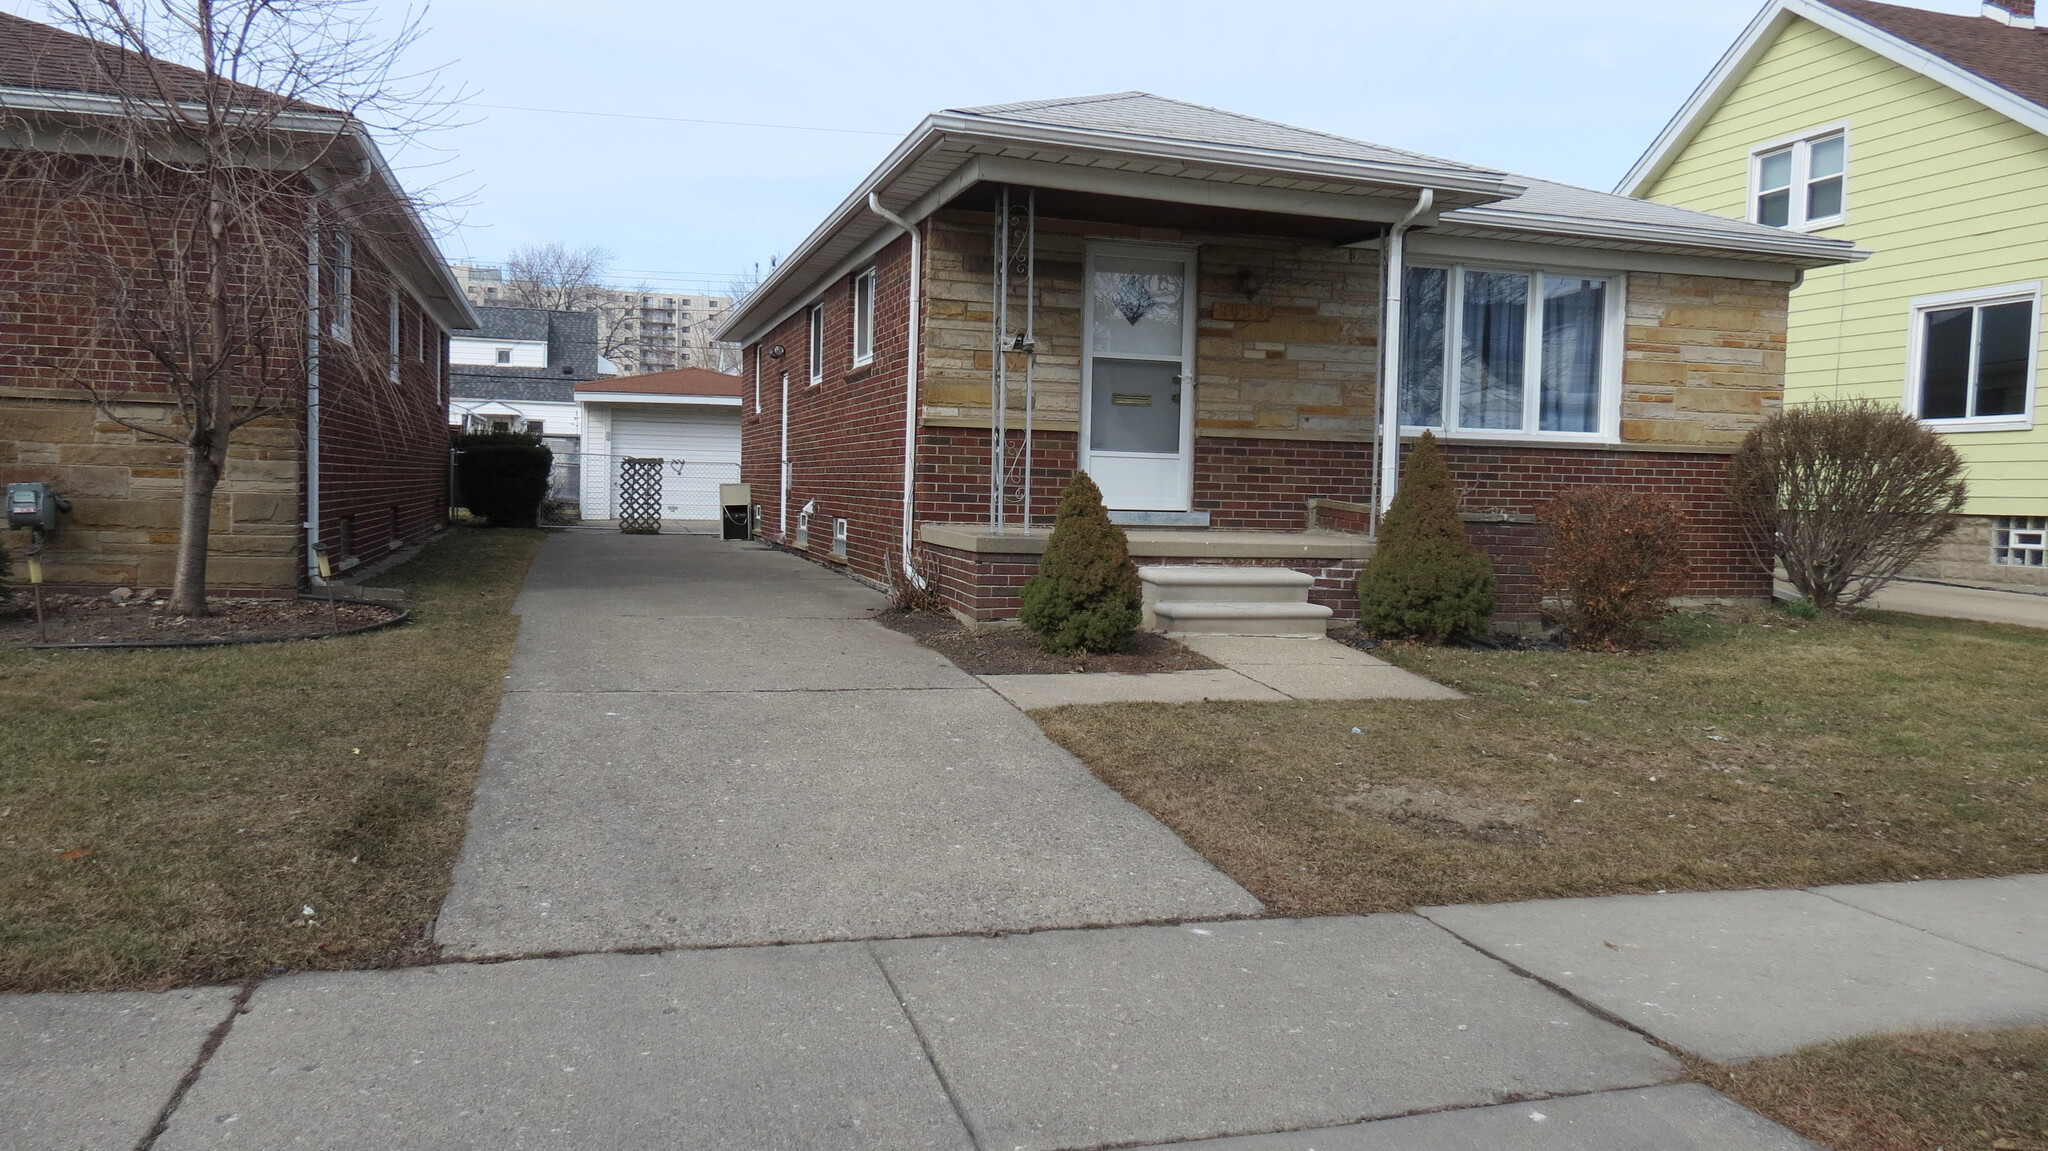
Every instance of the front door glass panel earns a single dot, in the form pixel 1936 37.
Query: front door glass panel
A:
pixel 1135 407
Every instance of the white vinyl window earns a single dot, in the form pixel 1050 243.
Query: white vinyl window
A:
pixel 817 352
pixel 397 324
pixel 1971 358
pixel 1511 353
pixel 1801 183
pixel 2020 541
pixel 864 317
pixel 341 300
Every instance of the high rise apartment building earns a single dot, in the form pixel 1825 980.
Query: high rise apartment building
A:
pixel 639 330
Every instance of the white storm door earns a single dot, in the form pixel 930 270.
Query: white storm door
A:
pixel 1137 376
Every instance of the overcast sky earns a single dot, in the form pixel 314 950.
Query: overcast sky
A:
pixel 1570 90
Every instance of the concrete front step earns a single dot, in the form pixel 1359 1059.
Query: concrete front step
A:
pixel 1221 583
pixel 1227 618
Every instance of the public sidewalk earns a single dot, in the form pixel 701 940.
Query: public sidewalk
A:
pixel 1958 602
pixel 748 870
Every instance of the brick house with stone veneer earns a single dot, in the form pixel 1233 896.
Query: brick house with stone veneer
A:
pixel 1193 306
pixel 382 463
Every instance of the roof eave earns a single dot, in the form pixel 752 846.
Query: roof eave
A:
pixel 1788 248
pixel 741 325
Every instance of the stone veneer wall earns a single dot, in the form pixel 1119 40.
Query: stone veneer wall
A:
pixel 1965 558
pixel 124 488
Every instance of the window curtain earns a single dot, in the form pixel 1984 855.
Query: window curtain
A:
pixel 1423 318
pixel 1572 313
pixel 1490 360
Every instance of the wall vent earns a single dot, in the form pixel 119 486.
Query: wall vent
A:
pixel 839 539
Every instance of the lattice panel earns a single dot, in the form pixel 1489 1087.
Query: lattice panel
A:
pixel 640 496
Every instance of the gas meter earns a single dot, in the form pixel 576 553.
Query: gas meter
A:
pixel 34 506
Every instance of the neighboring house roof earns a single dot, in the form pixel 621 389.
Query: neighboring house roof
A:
pixel 1140 146
pixel 677 382
pixel 50 72
pixel 2002 66
pixel 571 339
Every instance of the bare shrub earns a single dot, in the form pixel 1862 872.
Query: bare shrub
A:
pixel 1845 495
pixel 1614 560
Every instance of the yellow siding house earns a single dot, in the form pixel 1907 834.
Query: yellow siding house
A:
pixel 1923 137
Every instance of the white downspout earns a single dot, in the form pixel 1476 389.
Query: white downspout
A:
pixel 782 496
pixel 910 350
pixel 1390 365
pixel 313 396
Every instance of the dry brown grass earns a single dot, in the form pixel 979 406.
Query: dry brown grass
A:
pixel 166 815
pixel 1756 751
pixel 1986 1091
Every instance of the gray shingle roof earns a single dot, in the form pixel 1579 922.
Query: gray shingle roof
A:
pixel 1549 207
pixel 1143 114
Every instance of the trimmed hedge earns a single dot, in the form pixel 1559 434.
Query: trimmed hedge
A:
pixel 503 477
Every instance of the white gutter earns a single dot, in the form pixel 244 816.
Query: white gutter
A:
pixel 313 396
pixel 1390 359
pixel 910 386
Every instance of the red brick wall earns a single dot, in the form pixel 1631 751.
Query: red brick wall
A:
pixel 383 446
pixel 845 433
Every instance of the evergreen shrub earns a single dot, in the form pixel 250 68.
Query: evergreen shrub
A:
pixel 1425 581
pixel 1085 594
pixel 503 477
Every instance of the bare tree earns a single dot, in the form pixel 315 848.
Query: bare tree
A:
pixel 700 350
pixel 183 216
pixel 564 279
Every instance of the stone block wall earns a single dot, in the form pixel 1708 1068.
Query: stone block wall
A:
pixel 1704 360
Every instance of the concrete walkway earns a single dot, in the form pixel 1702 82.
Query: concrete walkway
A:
pixel 753 872
pixel 1254 668
pixel 1958 602
pixel 707 744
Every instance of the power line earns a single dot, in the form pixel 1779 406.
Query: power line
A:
pixel 683 120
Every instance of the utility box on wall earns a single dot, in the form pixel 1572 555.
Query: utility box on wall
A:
pixel 34 506
pixel 735 516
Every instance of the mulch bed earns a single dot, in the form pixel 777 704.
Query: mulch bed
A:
pixel 98 619
pixel 1015 650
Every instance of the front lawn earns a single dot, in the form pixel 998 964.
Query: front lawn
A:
pixel 1757 751
pixel 1985 1091
pixel 167 816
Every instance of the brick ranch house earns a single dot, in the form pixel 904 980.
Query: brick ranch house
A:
pixel 362 477
pixel 1194 306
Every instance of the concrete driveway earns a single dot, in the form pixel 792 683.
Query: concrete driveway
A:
pixel 709 743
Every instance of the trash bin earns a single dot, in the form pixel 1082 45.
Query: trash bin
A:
pixel 735 503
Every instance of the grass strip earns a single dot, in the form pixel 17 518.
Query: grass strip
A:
pixel 167 817
pixel 1976 1091
pixel 1757 750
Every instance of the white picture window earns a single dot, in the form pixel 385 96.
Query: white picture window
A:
pixel 2020 541
pixel 1972 358
pixel 864 317
pixel 1801 183
pixel 817 352
pixel 1511 353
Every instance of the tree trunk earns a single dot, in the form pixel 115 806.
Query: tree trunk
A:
pixel 195 523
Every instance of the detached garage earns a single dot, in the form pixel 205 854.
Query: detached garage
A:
pixel 688 418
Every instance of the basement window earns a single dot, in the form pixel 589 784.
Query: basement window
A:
pixel 1971 362
pixel 864 317
pixel 2020 541
pixel 1509 353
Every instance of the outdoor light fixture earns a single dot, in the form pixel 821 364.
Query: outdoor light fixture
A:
pixel 775 353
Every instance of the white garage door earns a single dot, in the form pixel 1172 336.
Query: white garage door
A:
pixel 707 442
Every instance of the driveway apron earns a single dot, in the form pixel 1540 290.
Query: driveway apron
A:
pixel 708 743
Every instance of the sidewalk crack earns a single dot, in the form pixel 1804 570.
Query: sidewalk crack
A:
pixel 214 1039
pixel 924 1043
